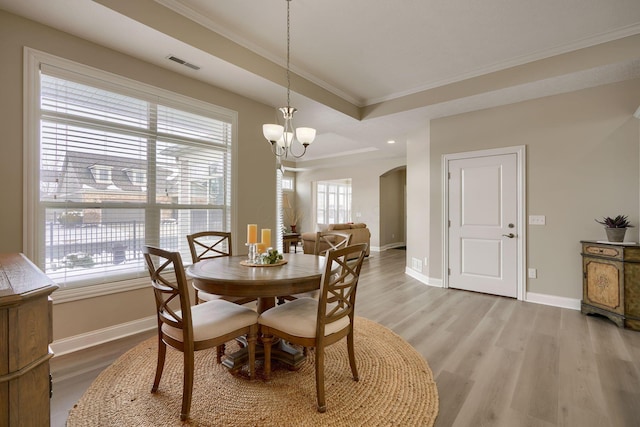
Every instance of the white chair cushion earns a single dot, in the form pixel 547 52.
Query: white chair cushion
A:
pixel 213 319
pixel 299 317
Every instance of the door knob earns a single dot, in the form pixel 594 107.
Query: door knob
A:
pixel 510 235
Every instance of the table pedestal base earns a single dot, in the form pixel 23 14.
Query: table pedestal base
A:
pixel 280 351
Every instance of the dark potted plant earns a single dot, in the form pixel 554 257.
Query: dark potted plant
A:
pixel 615 227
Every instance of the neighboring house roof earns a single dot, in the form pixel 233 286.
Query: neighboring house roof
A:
pixel 77 170
pixel 77 174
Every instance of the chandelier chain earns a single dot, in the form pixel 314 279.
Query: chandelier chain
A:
pixel 282 137
pixel 288 54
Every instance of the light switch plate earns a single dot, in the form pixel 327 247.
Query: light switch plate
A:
pixel 537 220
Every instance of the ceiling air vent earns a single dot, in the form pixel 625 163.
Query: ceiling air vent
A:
pixel 183 62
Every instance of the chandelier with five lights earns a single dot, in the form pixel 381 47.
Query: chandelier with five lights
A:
pixel 282 138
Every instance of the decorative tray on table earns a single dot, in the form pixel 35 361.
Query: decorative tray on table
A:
pixel 247 263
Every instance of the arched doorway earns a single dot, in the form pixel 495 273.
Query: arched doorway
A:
pixel 393 208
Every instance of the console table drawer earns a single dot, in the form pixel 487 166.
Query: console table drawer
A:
pixel 603 250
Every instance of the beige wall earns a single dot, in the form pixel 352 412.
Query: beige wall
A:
pixel 365 187
pixel 418 199
pixel 256 197
pixel 582 153
pixel 392 207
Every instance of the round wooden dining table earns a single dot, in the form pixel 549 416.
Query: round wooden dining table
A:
pixel 228 276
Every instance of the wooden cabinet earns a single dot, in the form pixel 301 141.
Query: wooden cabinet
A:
pixel 611 282
pixel 25 335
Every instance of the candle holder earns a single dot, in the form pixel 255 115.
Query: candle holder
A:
pixel 253 252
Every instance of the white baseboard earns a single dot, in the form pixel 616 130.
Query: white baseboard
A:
pixel 389 246
pixel 555 301
pixel 552 300
pixel 422 278
pixel 100 336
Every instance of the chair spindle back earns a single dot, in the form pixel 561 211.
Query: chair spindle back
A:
pixel 209 244
pixel 332 239
pixel 339 284
pixel 169 283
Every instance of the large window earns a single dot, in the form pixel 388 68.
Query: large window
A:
pixel 120 167
pixel 333 201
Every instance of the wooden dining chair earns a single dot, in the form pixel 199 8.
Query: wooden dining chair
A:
pixel 212 244
pixel 189 329
pixel 325 240
pixel 320 322
pixel 207 245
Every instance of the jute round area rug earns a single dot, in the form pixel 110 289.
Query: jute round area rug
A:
pixel 396 388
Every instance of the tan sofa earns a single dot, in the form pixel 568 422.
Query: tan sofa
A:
pixel 359 234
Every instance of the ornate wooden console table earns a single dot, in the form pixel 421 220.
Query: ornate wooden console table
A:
pixel 611 282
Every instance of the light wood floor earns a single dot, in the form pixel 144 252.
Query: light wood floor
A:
pixel 496 361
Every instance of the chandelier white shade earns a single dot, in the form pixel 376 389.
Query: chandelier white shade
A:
pixel 282 138
pixel 273 132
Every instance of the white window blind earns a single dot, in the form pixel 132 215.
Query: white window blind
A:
pixel 120 168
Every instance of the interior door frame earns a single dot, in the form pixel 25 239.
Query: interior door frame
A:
pixel 520 152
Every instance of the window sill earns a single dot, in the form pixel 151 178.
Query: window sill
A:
pixel 64 295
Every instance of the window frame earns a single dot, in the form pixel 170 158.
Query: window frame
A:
pixel 288 184
pixel 343 190
pixel 32 225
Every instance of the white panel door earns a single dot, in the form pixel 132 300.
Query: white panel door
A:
pixel 483 209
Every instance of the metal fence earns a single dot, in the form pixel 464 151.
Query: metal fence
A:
pixel 110 242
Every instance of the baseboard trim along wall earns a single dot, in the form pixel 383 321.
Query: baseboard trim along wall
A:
pixel 544 299
pixel 100 336
pixel 555 301
pixel 388 246
pixel 422 278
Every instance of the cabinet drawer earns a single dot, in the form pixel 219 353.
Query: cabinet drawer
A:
pixel 603 250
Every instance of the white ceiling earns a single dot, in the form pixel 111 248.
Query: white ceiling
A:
pixel 363 52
